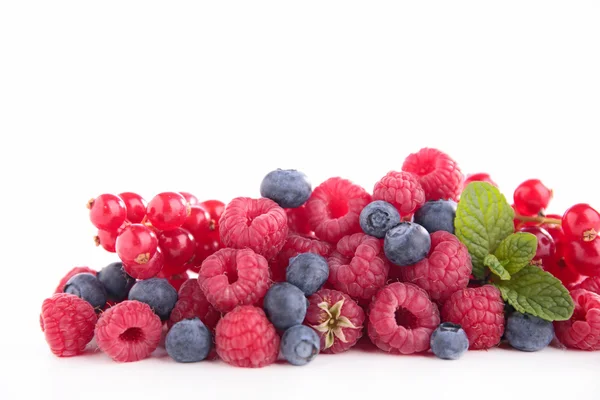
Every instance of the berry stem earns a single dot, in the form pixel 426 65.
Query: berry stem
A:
pixel 539 220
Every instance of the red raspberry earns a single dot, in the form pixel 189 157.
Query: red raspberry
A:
pixel 591 284
pixel 402 190
pixel 438 174
pixel 192 303
pixel 582 331
pixel 337 319
pixel 445 270
pixel 480 312
pixel 294 245
pixel 129 331
pixel 68 324
pixel 358 267
pixel 232 277
pixel 402 319
pixel 298 220
pixel 259 224
pixel 334 209
pixel 245 338
pixel 77 270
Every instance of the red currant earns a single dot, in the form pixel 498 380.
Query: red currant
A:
pixel 136 244
pixel 197 223
pixel 147 270
pixel 558 267
pixel 532 197
pixel 178 247
pixel 479 177
pixel 214 208
pixel 298 220
pixel 206 246
pixel 545 244
pixel 581 222
pixel 521 224
pixel 176 280
pixel 190 198
pixel 554 230
pixel 583 256
pixel 167 211
pixel 106 239
pixel 107 212
pixel 136 207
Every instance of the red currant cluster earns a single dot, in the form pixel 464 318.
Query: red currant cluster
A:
pixel 168 236
pixel 567 245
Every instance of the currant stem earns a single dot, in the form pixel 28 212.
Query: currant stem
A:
pixel 539 220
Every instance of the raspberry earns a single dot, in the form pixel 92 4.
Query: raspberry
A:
pixel 337 319
pixel 129 331
pixel 294 245
pixel 591 284
pixel 445 270
pixel 480 311
pixel 582 331
pixel 402 190
pixel 245 338
pixel 232 277
pixel 77 270
pixel 438 174
pixel 402 319
pixel 357 267
pixel 68 324
pixel 298 220
pixel 259 224
pixel 334 208
pixel 191 304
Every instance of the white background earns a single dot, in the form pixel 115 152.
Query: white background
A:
pixel 209 96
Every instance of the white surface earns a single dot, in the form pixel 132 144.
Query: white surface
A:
pixel 207 97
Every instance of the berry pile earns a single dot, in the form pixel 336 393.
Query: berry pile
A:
pixel 430 260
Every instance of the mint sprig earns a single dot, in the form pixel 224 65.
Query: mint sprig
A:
pixel 484 223
pixel 496 267
pixel 535 291
pixel 516 251
pixel 483 219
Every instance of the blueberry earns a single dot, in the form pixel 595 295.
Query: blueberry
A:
pixel 308 272
pixel 378 217
pixel 437 215
pixel 287 187
pixel 449 341
pixel 300 345
pixel 157 293
pixel 116 281
pixel 406 243
pixel 285 305
pixel 89 288
pixel 526 332
pixel 188 341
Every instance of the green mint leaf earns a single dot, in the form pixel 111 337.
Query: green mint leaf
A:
pixel 496 267
pixel 537 292
pixel 483 219
pixel 516 251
